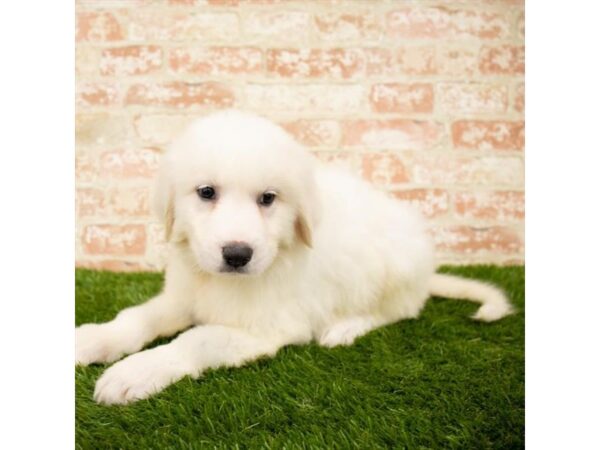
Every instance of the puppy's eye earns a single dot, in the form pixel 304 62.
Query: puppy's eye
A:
pixel 267 198
pixel 206 192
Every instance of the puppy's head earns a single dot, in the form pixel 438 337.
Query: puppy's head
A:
pixel 239 191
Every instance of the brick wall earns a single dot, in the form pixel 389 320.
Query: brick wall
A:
pixel 423 98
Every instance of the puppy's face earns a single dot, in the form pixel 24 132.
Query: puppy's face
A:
pixel 235 227
pixel 238 191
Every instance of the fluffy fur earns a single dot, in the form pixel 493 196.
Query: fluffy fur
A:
pixel 332 259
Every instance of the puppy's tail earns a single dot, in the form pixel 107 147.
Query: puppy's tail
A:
pixel 495 304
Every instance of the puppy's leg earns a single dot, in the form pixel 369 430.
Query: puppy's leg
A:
pixel 345 331
pixel 143 374
pixel 129 331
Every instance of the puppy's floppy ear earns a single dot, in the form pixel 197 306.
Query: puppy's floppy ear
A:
pixel 308 212
pixel 304 230
pixel 164 197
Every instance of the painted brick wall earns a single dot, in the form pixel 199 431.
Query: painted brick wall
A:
pixel 423 98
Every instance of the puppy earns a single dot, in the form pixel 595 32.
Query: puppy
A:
pixel 267 248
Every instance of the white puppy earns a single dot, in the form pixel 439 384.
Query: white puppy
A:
pixel 267 248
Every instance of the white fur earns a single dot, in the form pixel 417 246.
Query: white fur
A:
pixel 333 259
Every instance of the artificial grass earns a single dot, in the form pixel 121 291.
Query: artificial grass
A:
pixel 440 381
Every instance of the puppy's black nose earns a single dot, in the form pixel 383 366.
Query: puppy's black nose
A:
pixel 237 255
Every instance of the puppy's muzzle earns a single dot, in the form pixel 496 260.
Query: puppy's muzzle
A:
pixel 237 255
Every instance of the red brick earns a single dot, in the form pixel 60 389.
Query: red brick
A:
pixel 456 61
pixel 422 60
pixel 490 205
pixel 351 161
pixel 449 60
pixel 488 135
pixel 101 128
pixel 445 23
pixel 277 26
pixel 314 133
pixel 216 60
pixel 471 240
pixel 97 94
pixel 380 61
pixel 452 169
pixel 383 168
pixel 502 60
pixel 346 27
pixel 400 134
pixel 222 2
pixel 117 240
pixel 401 98
pixel 315 63
pixel 159 129
pixel 520 98
pixel 482 25
pixel 481 2
pixel 474 98
pixel 314 98
pixel 180 25
pixel 86 168
pixel 124 202
pixel 130 201
pixel 87 60
pixel 431 202
pixel 89 202
pixel 244 2
pixel 418 60
pixel 131 60
pixel 112 4
pixel 97 27
pixel 180 95
pixel 126 164
pixel 417 23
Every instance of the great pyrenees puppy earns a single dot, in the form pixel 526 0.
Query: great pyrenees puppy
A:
pixel 267 247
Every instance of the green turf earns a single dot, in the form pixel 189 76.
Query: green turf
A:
pixel 441 381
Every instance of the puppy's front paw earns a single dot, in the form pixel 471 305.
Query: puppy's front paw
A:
pixel 139 376
pixel 345 332
pixel 98 343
